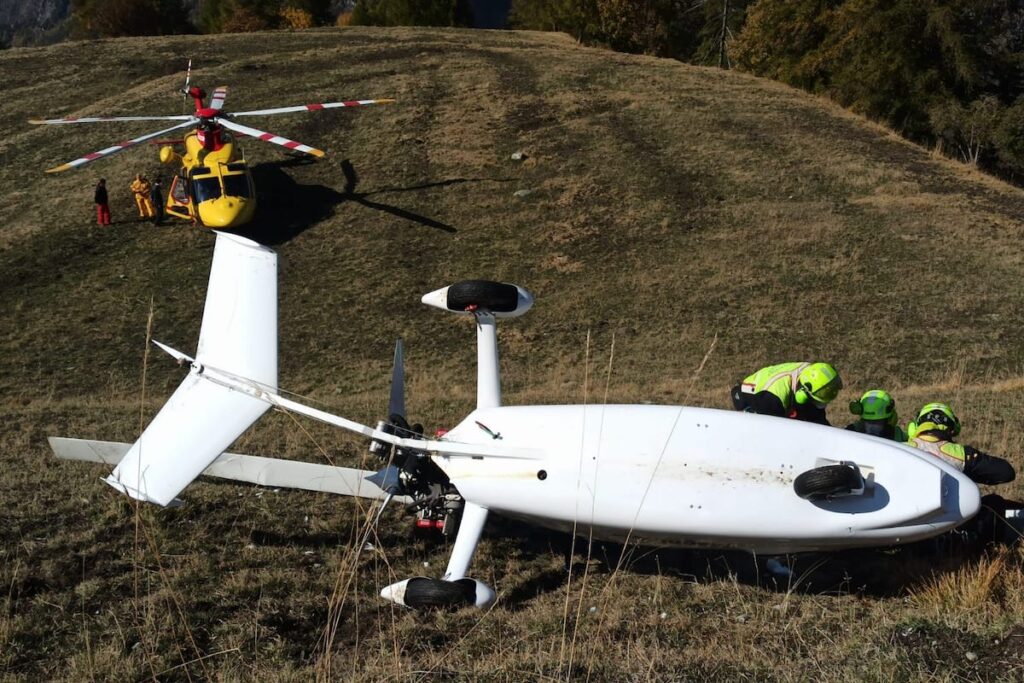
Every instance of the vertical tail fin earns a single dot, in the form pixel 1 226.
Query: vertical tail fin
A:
pixel 202 419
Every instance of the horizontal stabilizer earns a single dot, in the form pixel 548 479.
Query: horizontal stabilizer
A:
pixel 252 469
pixel 197 424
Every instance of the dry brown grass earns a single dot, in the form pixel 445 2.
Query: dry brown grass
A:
pixel 673 208
pixel 976 597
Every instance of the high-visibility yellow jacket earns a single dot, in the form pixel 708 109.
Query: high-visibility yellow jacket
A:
pixel 780 380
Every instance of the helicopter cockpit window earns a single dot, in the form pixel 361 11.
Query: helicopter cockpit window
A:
pixel 237 166
pixel 200 170
pixel 236 185
pixel 205 188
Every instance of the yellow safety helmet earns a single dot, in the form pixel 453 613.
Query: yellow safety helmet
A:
pixel 935 417
pixel 819 383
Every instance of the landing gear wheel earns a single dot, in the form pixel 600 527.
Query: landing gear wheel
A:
pixel 492 296
pixel 825 482
pixel 434 593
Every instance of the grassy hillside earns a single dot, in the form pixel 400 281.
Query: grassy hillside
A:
pixel 673 213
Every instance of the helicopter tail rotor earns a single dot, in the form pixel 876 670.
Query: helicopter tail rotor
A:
pixel 219 95
pixel 184 91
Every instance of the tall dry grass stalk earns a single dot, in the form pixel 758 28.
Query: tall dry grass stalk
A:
pixel 575 524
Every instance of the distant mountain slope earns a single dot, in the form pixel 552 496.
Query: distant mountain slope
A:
pixel 31 17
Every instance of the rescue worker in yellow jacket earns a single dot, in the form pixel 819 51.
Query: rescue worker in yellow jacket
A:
pixel 934 430
pixel 141 188
pixel 796 390
pixel 876 411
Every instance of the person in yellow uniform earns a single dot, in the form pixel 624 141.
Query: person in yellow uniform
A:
pixel 934 430
pixel 796 390
pixel 141 188
pixel 876 412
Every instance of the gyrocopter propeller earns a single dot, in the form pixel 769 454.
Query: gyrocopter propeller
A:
pixel 409 471
pixel 213 186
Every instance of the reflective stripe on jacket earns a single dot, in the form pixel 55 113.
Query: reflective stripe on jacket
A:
pixel 953 453
pixel 780 380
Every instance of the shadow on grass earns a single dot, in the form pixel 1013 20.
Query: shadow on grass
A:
pixel 872 572
pixel 287 209
pixel 362 198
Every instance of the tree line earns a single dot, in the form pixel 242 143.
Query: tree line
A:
pixel 113 18
pixel 946 73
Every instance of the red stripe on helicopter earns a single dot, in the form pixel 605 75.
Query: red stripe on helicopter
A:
pixel 351 103
pixel 94 155
pixel 314 107
pixel 267 136
pixel 292 145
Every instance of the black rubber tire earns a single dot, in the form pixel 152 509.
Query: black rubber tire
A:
pixel 423 593
pixel 497 297
pixel 824 482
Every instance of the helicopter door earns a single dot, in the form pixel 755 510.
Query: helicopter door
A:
pixel 178 201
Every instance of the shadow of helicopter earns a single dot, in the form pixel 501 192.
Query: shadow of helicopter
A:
pixel 362 198
pixel 287 208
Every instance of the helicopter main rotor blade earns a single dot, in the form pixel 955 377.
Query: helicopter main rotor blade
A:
pixel 310 107
pixel 116 148
pixel 269 137
pixel 99 119
pixel 218 97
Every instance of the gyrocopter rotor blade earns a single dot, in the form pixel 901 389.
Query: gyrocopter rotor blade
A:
pixel 269 137
pixel 117 148
pixel 218 97
pixel 311 107
pixel 99 119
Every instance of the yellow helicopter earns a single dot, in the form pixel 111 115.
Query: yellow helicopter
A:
pixel 213 187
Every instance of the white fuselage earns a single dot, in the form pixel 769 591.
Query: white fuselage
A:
pixel 700 477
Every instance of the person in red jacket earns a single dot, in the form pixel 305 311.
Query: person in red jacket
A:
pixel 102 203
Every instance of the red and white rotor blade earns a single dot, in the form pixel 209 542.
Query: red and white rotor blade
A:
pixel 311 107
pixel 218 97
pixel 98 119
pixel 269 137
pixel 116 148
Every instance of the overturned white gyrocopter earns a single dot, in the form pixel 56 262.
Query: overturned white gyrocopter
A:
pixel 663 475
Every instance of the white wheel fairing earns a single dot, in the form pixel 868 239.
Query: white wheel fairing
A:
pixel 699 477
